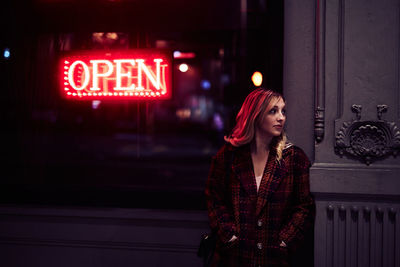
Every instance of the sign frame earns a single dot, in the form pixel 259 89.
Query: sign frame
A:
pixel 126 74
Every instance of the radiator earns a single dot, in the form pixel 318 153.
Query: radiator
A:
pixel 359 235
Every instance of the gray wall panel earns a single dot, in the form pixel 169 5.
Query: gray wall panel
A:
pixel 356 62
pixel 298 82
pixel 40 236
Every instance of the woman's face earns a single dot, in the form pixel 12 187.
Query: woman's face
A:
pixel 273 119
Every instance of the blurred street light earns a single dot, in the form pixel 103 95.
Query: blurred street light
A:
pixel 257 78
pixel 183 67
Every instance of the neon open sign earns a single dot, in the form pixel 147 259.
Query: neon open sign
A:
pixel 126 74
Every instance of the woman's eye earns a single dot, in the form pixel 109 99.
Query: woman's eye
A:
pixel 272 111
pixel 284 111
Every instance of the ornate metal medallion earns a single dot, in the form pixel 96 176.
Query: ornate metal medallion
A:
pixel 368 140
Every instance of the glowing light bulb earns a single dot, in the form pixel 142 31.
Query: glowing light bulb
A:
pixel 257 78
pixel 183 67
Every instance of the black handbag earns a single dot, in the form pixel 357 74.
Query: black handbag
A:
pixel 208 241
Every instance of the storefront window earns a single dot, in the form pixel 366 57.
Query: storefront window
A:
pixel 126 151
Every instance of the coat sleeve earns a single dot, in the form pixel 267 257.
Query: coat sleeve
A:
pixel 303 210
pixel 219 200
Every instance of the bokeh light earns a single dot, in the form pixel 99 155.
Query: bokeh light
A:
pixel 183 67
pixel 257 78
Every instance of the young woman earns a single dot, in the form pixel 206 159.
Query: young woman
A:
pixel 257 192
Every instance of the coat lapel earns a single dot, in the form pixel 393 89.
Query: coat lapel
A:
pixel 272 177
pixel 243 168
pixel 273 174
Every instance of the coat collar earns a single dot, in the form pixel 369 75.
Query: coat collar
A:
pixel 274 173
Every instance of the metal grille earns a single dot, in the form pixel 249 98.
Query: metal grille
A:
pixel 362 235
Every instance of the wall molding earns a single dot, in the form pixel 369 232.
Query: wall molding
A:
pixel 340 77
pixel 106 215
pixel 88 236
pixel 319 90
pixel 154 222
pixel 137 246
pixel 349 197
pixel 398 70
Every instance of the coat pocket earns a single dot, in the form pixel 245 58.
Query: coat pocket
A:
pixel 229 254
pixel 278 256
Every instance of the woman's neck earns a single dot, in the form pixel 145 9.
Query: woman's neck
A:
pixel 260 143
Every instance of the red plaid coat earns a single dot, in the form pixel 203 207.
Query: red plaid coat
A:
pixel 282 210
